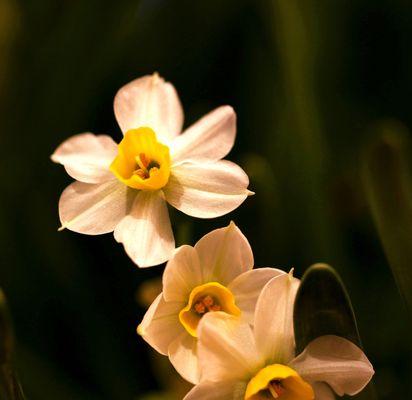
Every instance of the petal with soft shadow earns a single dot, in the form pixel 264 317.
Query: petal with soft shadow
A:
pixel 146 232
pixel 323 391
pixel 149 101
pixel 226 348
pixel 273 323
pixel 247 287
pixel 209 139
pixel 94 209
pixel 160 325
pixel 227 390
pixel 207 190
pixel 183 356
pixel 335 361
pixel 224 254
pixel 87 157
pixel 182 274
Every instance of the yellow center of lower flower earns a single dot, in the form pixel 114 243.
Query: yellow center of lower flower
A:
pixel 278 381
pixel 211 296
pixel 142 162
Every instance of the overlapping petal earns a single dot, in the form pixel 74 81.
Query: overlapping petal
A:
pixel 183 356
pixel 337 362
pixel 323 391
pixel 247 287
pixel 226 348
pixel 94 209
pixel 182 273
pixel 209 139
pixel 160 325
pixel 146 232
pixel 87 157
pixel 273 324
pixel 224 254
pixel 152 102
pixel 207 190
pixel 228 390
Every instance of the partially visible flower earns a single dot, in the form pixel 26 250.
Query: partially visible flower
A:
pixel 238 363
pixel 125 188
pixel 214 275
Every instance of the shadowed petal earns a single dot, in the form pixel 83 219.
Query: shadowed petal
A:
pixel 247 287
pixel 183 356
pixel 160 325
pixel 336 361
pixel 227 390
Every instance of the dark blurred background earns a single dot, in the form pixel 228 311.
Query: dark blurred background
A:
pixel 308 80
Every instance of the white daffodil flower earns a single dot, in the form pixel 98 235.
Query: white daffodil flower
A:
pixel 238 363
pixel 125 188
pixel 214 275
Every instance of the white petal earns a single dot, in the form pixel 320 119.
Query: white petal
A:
pixel 160 325
pixel 336 361
pixel 273 323
pixel 182 274
pixel 207 190
pixel 228 390
pixel 209 139
pixel 183 356
pixel 226 348
pixel 323 391
pixel 247 287
pixel 94 209
pixel 224 254
pixel 87 157
pixel 149 101
pixel 146 232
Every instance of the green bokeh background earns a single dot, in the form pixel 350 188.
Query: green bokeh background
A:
pixel 308 80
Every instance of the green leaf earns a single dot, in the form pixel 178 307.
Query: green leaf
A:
pixel 323 307
pixel 388 187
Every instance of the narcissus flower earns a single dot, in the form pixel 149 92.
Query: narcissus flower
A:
pixel 214 275
pixel 124 188
pixel 238 363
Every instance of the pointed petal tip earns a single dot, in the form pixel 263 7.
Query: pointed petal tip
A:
pixel 250 193
pixel 62 228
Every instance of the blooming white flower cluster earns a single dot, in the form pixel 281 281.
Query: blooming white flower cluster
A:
pixel 226 327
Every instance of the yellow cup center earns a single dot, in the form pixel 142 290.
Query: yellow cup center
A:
pixel 211 296
pixel 278 381
pixel 142 162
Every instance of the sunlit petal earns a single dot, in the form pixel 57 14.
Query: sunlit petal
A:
pixel 87 157
pixel 224 254
pixel 94 209
pixel 273 324
pixel 226 348
pixel 209 139
pixel 207 190
pixel 152 102
pixel 146 232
